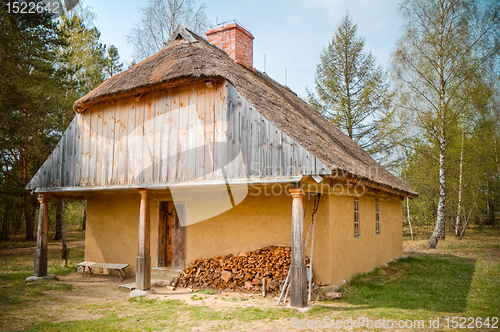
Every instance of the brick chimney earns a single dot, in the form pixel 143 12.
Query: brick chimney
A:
pixel 235 40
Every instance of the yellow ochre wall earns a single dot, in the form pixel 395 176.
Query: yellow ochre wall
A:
pixel 259 220
pixel 351 255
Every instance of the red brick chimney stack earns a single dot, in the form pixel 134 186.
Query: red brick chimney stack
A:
pixel 235 40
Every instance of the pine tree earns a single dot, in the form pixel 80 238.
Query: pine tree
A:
pixel 113 66
pixel 351 89
pixel 28 89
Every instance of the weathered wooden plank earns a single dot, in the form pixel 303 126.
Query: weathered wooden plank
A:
pixel 232 123
pixel 297 158
pixel 285 153
pixel 100 145
pixel 148 138
pixel 238 156
pixel 254 144
pixel 158 133
pixel 221 116
pixel 120 141
pixel 211 93
pixel 93 145
pixel 193 125
pixel 161 240
pixel 48 172
pixel 77 174
pixel 139 139
pixel 176 238
pixel 108 133
pixel 86 133
pixel 174 136
pixel 68 153
pixel 165 139
pixel 200 130
pixel 58 159
pixel 275 145
pixel 264 146
pixel 183 133
pixel 309 161
pixel 62 158
pixel 244 140
pixel 305 163
pixel 321 168
pixel 132 109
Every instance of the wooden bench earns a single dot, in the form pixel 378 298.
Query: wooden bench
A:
pixel 117 267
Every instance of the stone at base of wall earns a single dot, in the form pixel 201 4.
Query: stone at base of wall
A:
pixel 327 292
pixel 47 277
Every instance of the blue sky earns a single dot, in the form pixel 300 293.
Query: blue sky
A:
pixel 291 34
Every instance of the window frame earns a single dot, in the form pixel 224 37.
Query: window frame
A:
pixel 377 217
pixel 357 228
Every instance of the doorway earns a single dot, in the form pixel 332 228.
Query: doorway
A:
pixel 171 248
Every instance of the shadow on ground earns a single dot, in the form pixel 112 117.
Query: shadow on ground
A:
pixel 431 282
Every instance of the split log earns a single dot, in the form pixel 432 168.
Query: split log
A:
pixel 244 271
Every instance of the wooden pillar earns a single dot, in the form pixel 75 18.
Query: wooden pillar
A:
pixel 298 280
pixel 143 267
pixel 40 269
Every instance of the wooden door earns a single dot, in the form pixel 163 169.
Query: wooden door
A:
pixel 171 237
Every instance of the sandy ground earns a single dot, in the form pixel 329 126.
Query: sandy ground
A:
pixel 99 289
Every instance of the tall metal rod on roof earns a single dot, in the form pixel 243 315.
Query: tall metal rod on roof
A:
pixel 285 76
pixel 264 63
pixel 227 22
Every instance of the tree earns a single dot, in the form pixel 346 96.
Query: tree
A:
pixel 28 86
pixel 45 66
pixel 158 22
pixel 351 89
pixel 446 47
pixel 113 65
pixel 84 62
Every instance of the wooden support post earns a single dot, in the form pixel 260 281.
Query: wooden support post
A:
pixel 143 266
pixel 298 279
pixel 40 269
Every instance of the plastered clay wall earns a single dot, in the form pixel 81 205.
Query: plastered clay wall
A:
pixel 260 220
pixel 352 255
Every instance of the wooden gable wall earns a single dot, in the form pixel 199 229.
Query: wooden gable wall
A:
pixel 172 136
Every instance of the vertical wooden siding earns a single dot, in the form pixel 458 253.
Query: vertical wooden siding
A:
pixel 190 133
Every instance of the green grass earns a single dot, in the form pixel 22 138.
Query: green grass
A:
pixel 16 267
pixel 460 279
pixel 429 282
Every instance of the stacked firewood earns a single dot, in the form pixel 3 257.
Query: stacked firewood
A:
pixel 246 271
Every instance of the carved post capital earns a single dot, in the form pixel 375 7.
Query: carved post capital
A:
pixel 297 193
pixel 44 198
pixel 145 192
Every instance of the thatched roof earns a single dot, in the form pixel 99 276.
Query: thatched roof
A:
pixel 192 58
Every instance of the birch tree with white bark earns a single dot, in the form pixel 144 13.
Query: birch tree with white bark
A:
pixel 446 45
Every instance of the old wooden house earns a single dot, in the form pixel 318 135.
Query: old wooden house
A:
pixel 194 153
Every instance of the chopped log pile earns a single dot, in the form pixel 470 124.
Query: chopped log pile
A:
pixel 245 271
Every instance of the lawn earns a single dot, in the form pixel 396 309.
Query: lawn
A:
pixel 459 279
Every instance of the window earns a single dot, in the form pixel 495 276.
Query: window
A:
pixel 377 218
pixel 356 218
